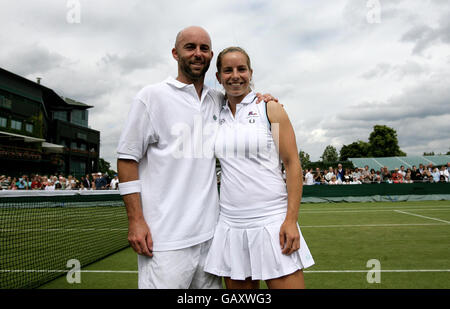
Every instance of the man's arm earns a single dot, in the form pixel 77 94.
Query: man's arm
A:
pixel 139 235
pixel 284 137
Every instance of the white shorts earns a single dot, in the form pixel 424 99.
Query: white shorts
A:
pixel 251 248
pixel 177 269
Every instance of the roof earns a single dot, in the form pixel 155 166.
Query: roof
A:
pixel 393 162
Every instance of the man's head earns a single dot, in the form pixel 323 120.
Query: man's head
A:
pixel 193 53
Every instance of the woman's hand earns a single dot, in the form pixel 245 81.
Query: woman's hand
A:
pixel 289 237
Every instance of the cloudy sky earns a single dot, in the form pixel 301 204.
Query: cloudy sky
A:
pixel 339 67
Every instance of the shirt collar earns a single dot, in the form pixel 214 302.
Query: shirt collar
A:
pixel 249 98
pixel 176 83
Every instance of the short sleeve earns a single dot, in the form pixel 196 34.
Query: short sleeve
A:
pixel 138 132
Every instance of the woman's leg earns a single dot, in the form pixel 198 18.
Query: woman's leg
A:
pixel 247 284
pixel 291 281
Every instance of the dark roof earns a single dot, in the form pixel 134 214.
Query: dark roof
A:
pixel 52 101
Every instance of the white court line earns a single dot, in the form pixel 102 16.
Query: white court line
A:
pixel 305 271
pixel 372 225
pixel 369 210
pixel 411 214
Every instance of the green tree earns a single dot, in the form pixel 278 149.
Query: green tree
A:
pixel 357 149
pixel 105 167
pixel 330 154
pixel 384 143
pixel 428 153
pixel 305 160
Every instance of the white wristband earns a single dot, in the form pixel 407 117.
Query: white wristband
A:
pixel 130 187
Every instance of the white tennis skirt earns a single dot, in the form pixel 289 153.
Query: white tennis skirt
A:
pixel 251 248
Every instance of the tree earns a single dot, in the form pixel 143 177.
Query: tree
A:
pixel 305 160
pixel 384 143
pixel 330 154
pixel 105 167
pixel 357 149
pixel 428 153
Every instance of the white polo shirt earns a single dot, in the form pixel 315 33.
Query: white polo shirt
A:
pixel 252 184
pixel 171 132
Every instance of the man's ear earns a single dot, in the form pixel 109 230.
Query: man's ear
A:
pixel 175 54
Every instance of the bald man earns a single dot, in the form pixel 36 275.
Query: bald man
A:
pixel 166 170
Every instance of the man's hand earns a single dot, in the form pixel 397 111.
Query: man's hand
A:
pixel 265 97
pixel 289 237
pixel 140 238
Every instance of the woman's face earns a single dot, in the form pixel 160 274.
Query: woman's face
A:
pixel 235 75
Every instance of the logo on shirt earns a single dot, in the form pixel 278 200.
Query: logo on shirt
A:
pixel 215 117
pixel 251 116
pixel 221 121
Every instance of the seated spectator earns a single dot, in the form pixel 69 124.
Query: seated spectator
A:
pixel 402 171
pixel 333 180
pixel 318 177
pixel 385 174
pixel 330 174
pixel 397 176
pixel 442 178
pixel 444 172
pixel 373 175
pixel 356 175
pixel 436 175
pixel 365 175
pixel 408 178
pixel 114 184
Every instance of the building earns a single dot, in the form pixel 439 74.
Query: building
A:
pixel 42 132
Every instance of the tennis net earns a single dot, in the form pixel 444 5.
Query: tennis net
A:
pixel 40 233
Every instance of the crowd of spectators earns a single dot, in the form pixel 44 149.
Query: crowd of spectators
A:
pixel 94 181
pixel 337 176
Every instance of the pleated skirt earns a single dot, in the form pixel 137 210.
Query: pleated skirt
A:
pixel 251 248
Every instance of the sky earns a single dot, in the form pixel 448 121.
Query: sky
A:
pixel 338 67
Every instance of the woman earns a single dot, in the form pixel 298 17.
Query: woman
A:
pixel 257 236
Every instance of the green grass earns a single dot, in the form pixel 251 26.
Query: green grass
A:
pixel 341 237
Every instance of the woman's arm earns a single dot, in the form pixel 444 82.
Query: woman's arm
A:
pixel 284 137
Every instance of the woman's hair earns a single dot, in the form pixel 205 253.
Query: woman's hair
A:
pixel 230 50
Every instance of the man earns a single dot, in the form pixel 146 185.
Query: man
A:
pixel 365 175
pixel 330 174
pixel 340 173
pixel 309 178
pixel 166 171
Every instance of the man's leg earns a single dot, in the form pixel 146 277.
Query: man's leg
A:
pixel 166 270
pixel 202 279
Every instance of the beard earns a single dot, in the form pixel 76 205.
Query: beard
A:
pixel 188 72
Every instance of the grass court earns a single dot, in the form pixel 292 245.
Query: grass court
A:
pixel 411 241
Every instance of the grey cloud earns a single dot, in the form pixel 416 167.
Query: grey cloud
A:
pixel 130 62
pixel 424 36
pixel 399 71
pixel 32 59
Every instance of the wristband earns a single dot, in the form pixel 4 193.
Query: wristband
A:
pixel 130 187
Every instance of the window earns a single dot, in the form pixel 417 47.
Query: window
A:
pixel 73 145
pixel 3 122
pixel 17 125
pixel 29 127
pixel 62 115
pixel 5 103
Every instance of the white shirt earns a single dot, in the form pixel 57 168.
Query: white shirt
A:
pixel 114 183
pixel 252 183
pixel 170 132
pixel 309 179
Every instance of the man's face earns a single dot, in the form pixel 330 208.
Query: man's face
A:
pixel 193 53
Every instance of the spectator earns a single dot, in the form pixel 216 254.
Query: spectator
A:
pixel 408 178
pixel 340 173
pixel 402 171
pixel 397 176
pixel 356 175
pixel 365 175
pixel 100 182
pixel 385 175
pixel 436 175
pixel 333 180
pixel 444 172
pixel 114 185
pixel 330 174
pixel 309 178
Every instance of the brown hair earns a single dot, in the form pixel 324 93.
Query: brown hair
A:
pixel 230 50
